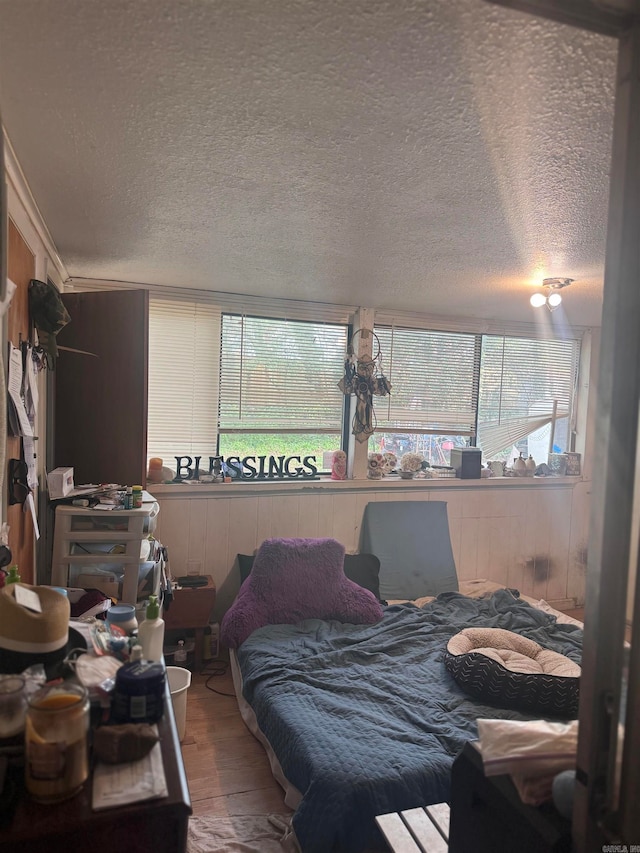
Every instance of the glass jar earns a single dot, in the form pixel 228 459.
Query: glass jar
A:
pixel 56 753
pixel 13 705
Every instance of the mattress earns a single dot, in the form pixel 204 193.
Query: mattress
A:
pixel 364 720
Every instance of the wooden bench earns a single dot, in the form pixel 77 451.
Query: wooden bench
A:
pixel 423 830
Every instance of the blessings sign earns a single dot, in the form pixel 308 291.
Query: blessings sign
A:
pixel 249 467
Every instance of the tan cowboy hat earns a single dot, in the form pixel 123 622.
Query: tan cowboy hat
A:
pixel 27 637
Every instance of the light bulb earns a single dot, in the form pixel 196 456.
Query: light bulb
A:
pixel 538 300
pixel 554 299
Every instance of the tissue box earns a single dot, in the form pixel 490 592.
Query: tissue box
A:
pixel 60 483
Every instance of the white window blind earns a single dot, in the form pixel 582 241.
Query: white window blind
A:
pixel 184 352
pixel 434 381
pixel 280 376
pixel 520 379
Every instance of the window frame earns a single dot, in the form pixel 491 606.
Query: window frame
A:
pixel 477 386
pixel 225 397
pixel 344 315
pixel 525 424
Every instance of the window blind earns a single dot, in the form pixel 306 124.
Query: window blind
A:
pixel 280 376
pixel 520 379
pixel 184 353
pixel 434 378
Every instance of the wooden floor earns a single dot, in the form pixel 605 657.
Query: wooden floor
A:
pixel 227 769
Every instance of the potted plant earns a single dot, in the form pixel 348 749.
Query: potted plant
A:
pixel 410 464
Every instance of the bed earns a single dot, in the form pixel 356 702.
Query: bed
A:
pixel 364 719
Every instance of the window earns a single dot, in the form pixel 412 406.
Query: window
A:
pixel 451 389
pixel 231 384
pixel 525 384
pixel 278 387
pixel 184 349
pixel 434 395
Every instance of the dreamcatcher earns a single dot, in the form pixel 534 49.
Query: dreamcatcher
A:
pixel 363 377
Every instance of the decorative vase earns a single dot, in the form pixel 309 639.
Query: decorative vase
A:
pixel 520 467
pixel 531 466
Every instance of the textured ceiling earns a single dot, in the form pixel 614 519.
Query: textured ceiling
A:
pixel 430 155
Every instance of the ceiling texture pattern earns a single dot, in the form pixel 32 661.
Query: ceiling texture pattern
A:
pixel 439 156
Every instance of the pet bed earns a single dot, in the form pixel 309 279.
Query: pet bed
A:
pixel 507 670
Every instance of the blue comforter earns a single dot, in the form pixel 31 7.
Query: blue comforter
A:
pixel 365 719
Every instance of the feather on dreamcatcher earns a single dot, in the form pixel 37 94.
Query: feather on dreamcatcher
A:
pixel 364 378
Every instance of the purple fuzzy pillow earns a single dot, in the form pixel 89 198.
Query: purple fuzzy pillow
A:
pixel 296 579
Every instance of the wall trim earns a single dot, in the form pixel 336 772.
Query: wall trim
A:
pixel 20 185
pixel 191 490
pixel 237 303
pixel 478 325
pixel 243 303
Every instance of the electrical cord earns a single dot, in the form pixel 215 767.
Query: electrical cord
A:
pixel 216 668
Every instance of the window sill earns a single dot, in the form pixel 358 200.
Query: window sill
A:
pixel 188 489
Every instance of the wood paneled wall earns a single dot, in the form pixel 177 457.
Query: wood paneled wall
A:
pixel 21 269
pixel 533 538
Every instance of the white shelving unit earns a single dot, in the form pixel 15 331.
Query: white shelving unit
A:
pixel 95 543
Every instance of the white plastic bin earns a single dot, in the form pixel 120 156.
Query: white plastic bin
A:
pixel 179 682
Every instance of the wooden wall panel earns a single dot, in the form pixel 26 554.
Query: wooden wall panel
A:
pixel 526 542
pixel 559 539
pixel 513 534
pixel 21 269
pixel 494 550
pixel 175 529
pixel 540 574
pixel 308 516
pixel 263 529
pixel 284 516
pixel 524 537
pixel 196 563
pixel 220 562
pixel 578 541
pixel 346 525
pixel 242 527
pixel 468 560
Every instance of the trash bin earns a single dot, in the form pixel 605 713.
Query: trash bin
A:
pixel 179 681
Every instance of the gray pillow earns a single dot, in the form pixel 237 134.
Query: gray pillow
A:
pixel 411 540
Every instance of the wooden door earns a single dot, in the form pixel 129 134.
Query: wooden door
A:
pixel 100 411
pixel 21 268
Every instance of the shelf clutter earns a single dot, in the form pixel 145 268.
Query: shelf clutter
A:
pixel 114 552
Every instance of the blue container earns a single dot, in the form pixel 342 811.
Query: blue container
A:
pixel 123 615
pixel 139 692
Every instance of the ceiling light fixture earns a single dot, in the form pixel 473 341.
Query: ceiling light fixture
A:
pixel 551 298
